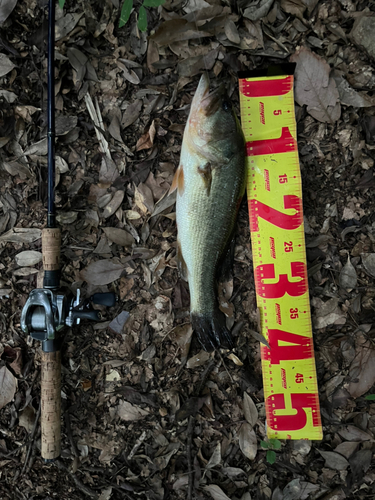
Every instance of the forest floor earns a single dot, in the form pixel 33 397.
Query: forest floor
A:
pixel 143 407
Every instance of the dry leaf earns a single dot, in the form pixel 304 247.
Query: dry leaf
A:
pixel 27 418
pixel 352 433
pixel 216 492
pixel 250 410
pixel 334 460
pixel 314 86
pixel 235 359
pixel 129 412
pixel 368 261
pixel 231 32
pixel 6 7
pixel 6 65
pixel 21 235
pixel 114 204
pixel 348 276
pixel 248 441
pixel 362 369
pixel 215 458
pixel 119 236
pixel 8 386
pixel 131 113
pixel 28 258
pixel 102 272
pixel 147 139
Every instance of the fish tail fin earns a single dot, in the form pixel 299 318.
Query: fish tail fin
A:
pixel 211 330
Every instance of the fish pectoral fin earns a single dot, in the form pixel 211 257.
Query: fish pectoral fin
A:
pixel 181 264
pixel 205 172
pixel 178 181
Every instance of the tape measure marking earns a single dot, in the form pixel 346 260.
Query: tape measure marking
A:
pixel 278 245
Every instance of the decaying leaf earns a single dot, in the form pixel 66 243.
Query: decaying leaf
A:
pixel 216 492
pixel 147 139
pixel 28 258
pixel 348 276
pixel 129 412
pixel 315 87
pixel 6 64
pixel 368 261
pixel 114 204
pixel 102 272
pixel 21 235
pixel 250 410
pixel 215 458
pixel 8 386
pixel 362 370
pixel 248 441
pixel 334 460
pixel 117 324
pixel 119 236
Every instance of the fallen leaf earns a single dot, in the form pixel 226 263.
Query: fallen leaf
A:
pixel 299 490
pixel 362 369
pixel 102 272
pixel 198 359
pixel 352 433
pixel 131 113
pixel 327 313
pixel 215 458
pixel 368 261
pixel 235 359
pixel 27 418
pixel 21 235
pixel 216 492
pixel 334 460
pixel 250 410
pixel 6 7
pixel 190 407
pixel 39 148
pixel 129 412
pixel 248 441
pixel 6 64
pixel 114 204
pixel 119 236
pixel 117 324
pixel 147 139
pixel 28 258
pixel 348 276
pixel 8 386
pixel 232 32
pixel 314 87
pixel 348 95
pixel 258 10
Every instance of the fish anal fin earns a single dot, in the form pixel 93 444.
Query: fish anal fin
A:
pixel 178 181
pixel 181 264
pixel 205 171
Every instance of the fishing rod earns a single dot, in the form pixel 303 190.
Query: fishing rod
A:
pixel 51 308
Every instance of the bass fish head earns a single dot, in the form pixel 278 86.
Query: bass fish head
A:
pixel 211 119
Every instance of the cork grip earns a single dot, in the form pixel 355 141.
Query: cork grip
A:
pixel 51 243
pixel 51 404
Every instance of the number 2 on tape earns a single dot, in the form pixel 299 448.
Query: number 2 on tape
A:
pixel 278 245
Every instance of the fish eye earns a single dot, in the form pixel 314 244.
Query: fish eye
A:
pixel 226 105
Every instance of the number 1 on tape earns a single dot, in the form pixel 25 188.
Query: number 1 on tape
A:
pixel 278 245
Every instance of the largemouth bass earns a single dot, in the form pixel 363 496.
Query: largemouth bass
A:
pixel 210 183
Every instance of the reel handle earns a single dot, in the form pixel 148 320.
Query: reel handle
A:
pixel 51 405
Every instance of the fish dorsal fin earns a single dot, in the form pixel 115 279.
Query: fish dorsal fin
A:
pixel 178 181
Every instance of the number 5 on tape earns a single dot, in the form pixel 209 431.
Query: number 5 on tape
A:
pixel 278 245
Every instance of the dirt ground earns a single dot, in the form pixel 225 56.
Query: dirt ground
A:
pixel 144 409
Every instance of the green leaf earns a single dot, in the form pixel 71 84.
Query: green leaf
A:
pixel 142 19
pixel 125 12
pixel 264 445
pixel 370 397
pixel 275 444
pixel 271 457
pixel 61 3
pixel 153 3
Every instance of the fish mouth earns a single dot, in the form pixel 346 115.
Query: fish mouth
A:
pixel 206 101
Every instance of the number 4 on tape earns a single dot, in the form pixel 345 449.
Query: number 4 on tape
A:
pixel 278 244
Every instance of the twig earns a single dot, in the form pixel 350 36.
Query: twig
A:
pixel 87 491
pixel 70 434
pixel 31 443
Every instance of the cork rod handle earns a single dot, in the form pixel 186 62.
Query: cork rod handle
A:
pixel 51 243
pixel 51 404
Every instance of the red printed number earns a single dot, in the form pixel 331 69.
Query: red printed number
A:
pixel 284 221
pixel 298 419
pixel 286 346
pixel 283 285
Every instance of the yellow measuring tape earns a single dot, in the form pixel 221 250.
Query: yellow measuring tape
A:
pixel 278 245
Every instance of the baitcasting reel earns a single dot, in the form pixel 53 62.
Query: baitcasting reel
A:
pixel 47 311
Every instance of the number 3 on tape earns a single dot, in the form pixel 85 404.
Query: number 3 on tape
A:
pixel 278 243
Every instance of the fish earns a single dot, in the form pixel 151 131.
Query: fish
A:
pixel 210 183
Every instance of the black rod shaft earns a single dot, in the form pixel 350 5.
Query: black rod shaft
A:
pixel 51 217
